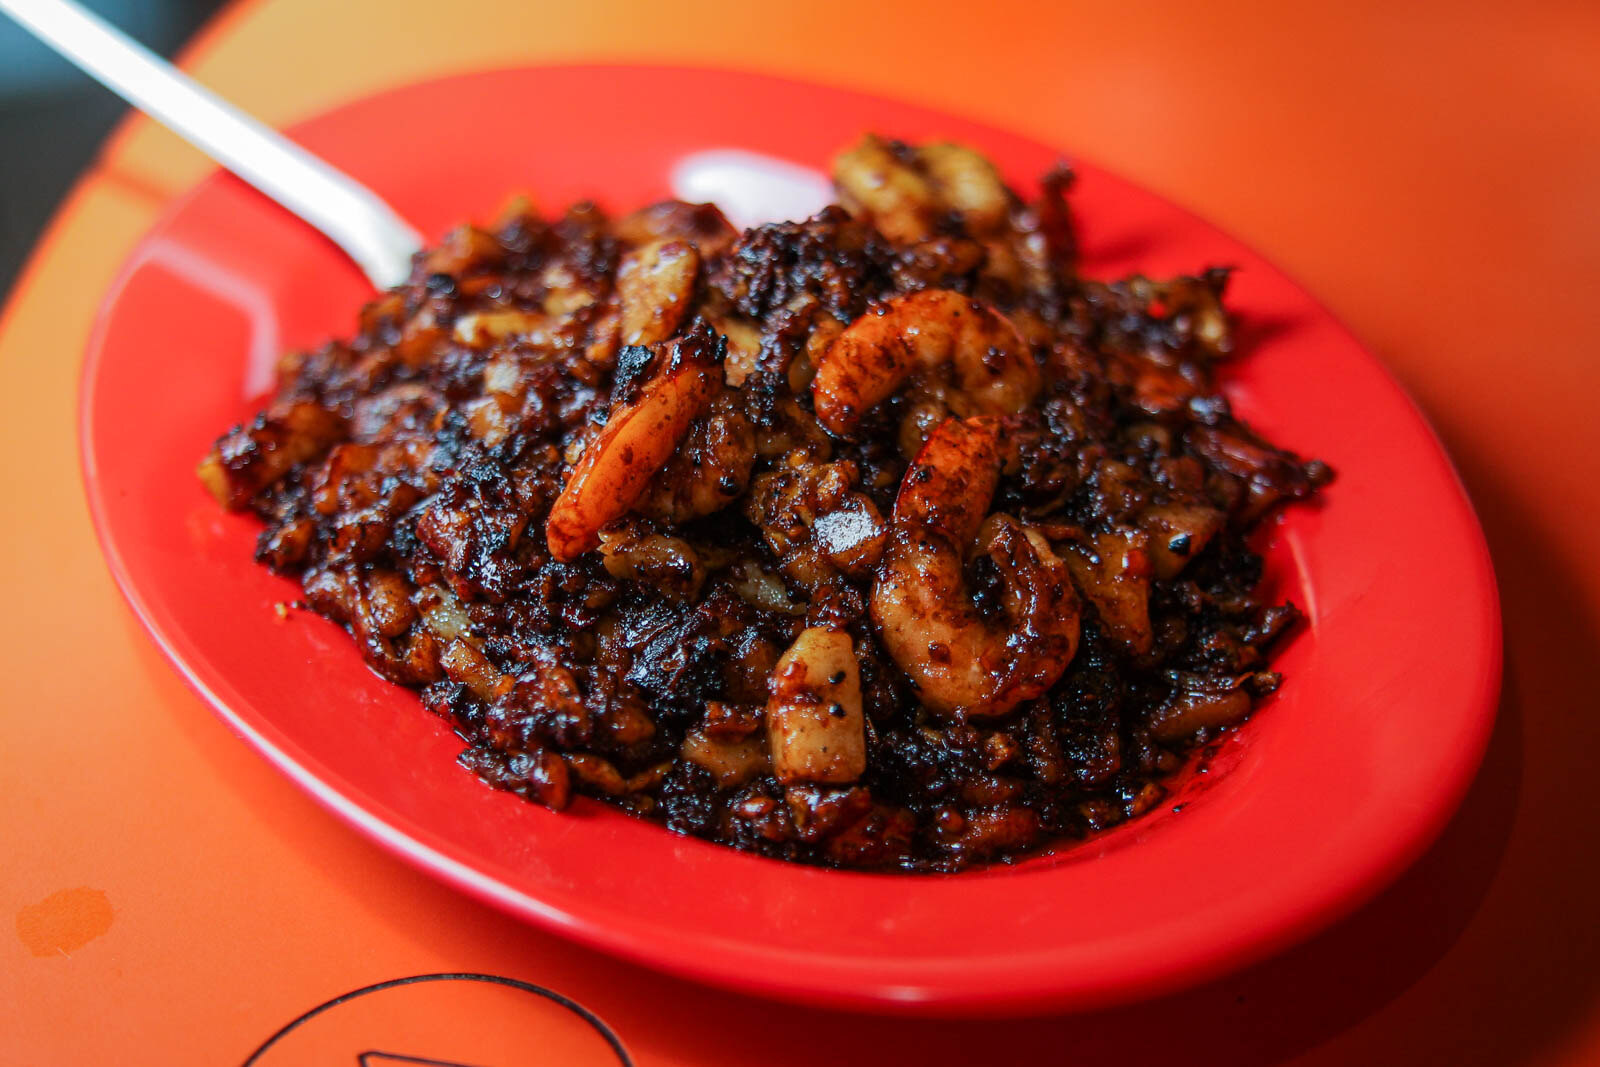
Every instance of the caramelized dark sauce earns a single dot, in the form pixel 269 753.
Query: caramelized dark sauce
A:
pixel 592 486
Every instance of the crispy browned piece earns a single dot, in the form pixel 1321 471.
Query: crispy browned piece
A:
pixel 876 539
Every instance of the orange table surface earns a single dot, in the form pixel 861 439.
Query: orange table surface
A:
pixel 1430 171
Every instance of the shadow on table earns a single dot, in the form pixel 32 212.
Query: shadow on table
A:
pixel 1485 951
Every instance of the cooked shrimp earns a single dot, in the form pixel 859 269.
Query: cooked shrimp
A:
pixel 995 373
pixel 644 429
pixel 962 660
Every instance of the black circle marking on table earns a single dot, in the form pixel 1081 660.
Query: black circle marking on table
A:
pixel 494 979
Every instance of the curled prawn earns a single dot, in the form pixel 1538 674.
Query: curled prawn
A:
pixel 994 370
pixel 963 660
pixel 644 429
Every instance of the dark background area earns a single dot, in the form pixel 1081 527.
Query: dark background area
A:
pixel 53 117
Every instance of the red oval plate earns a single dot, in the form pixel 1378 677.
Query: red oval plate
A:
pixel 1335 786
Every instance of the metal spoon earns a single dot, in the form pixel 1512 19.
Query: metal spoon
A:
pixel 350 214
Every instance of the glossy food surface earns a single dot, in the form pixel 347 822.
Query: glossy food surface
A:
pixel 877 539
pixel 1308 809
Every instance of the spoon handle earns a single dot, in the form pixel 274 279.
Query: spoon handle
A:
pixel 369 230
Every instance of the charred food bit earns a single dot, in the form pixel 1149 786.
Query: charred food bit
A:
pixel 877 539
